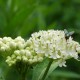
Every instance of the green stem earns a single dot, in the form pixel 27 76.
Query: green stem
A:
pixel 47 69
pixel 22 69
pixel 24 72
pixel 22 77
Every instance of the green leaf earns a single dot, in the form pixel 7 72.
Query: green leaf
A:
pixel 39 70
pixel 1 75
pixel 66 74
pixel 6 72
pixel 41 20
pixel 53 66
pixel 28 26
pixel 3 68
pixel 52 26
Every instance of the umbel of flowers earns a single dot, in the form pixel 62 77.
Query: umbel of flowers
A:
pixel 51 44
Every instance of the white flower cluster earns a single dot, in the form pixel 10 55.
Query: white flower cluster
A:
pixel 51 44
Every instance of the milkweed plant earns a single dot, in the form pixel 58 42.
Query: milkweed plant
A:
pixel 52 45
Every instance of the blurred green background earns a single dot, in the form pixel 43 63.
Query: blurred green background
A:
pixel 23 17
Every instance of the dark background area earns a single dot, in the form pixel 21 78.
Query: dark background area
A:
pixel 23 17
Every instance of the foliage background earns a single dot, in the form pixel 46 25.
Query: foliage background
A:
pixel 23 17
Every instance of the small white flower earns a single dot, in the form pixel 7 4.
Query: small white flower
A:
pixel 63 62
pixel 78 49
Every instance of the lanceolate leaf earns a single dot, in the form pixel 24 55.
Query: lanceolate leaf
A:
pixel 39 70
pixel 53 66
pixel 66 74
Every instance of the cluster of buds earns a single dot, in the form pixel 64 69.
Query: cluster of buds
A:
pixel 25 56
pixel 51 44
pixel 7 43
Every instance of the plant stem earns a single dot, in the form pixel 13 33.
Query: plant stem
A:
pixel 22 69
pixel 23 74
pixel 22 77
pixel 47 69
